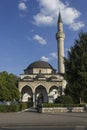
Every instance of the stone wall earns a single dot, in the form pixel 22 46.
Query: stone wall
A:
pixel 62 109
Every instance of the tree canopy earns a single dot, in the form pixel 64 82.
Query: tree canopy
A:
pixel 76 69
pixel 8 87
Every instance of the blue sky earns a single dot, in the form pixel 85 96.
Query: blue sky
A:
pixel 28 29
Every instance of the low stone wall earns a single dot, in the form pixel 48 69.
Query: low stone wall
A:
pixel 62 109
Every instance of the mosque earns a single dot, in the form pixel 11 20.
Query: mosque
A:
pixel 40 82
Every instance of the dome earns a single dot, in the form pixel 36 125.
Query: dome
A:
pixel 39 64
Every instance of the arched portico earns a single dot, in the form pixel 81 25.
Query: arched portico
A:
pixel 27 94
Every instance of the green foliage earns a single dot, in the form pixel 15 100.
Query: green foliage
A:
pixel 8 87
pixel 9 108
pixel 15 107
pixel 25 105
pixel 76 69
pixel 64 100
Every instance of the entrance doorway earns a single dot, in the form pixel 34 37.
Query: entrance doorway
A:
pixel 41 94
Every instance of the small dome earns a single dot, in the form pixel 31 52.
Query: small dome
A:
pixel 40 76
pixel 27 77
pixel 39 64
pixel 53 78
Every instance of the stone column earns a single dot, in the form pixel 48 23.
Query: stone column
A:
pixel 48 97
pixel 34 103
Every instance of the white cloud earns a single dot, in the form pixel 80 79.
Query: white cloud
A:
pixel 43 20
pixel 48 14
pixel 77 26
pixel 22 6
pixel 70 14
pixel 43 58
pixel 51 56
pixel 40 39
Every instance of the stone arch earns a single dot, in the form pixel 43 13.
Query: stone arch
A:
pixel 27 94
pixel 53 88
pixel 40 84
pixel 41 91
pixel 53 93
pixel 23 84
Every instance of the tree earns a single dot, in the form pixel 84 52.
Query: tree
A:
pixel 76 69
pixel 8 87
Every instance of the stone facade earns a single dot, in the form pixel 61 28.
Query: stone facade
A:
pixel 48 85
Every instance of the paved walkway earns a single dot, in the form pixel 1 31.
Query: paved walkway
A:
pixel 32 118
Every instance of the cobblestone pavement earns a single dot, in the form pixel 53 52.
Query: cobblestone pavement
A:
pixel 32 118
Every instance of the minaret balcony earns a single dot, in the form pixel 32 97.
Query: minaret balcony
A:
pixel 60 35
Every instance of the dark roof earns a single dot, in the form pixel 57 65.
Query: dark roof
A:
pixel 39 64
pixel 59 18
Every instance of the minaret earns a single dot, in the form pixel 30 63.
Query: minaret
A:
pixel 60 45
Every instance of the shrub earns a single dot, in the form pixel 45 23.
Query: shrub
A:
pixel 9 108
pixel 62 105
pixel 15 107
pixel 64 100
pixel 25 105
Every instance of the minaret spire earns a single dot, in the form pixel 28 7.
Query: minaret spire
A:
pixel 60 42
pixel 59 18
